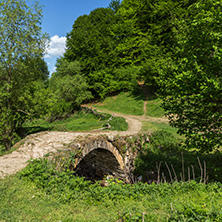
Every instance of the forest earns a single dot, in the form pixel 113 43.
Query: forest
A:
pixel 170 50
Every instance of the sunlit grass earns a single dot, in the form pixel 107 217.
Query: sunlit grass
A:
pixel 154 109
pixel 123 103
pixel 77 122
pixel 154 126
pixel 23 201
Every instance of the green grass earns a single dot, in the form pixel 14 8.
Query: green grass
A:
pixel 127 103
pixel 23 201
pixel 154 126
pixel 154 109
pixel 165 147
pixel 119 124
pixel 44 192
pixel 80 121
pixel 159 126
pixel 123 103
pixel 3 152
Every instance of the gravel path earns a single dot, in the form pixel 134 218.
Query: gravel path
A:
pixel 37 145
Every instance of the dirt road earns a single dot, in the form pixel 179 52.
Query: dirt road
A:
pixel 37 145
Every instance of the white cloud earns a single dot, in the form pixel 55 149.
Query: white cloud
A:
pixel 57 47
pixel 54 69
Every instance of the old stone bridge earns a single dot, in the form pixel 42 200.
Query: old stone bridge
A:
pixel 101 155
pixel 90 155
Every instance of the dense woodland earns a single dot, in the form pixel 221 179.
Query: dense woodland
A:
pixel 171 46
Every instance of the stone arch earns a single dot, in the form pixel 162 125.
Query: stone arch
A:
pixel 99 157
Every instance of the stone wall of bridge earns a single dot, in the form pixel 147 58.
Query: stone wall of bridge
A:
pixel 97 156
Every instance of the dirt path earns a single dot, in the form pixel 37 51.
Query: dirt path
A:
pixel 37 145
pixel 144 108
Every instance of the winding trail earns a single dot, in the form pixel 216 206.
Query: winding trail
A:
pixel 37 145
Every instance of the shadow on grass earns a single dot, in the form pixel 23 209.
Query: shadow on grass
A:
pixel 164 155
pixel 35 129
pixel 143 92
pixel 148 164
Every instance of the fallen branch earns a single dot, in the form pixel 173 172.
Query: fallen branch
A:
pixel 22 111
pixel 110 118
pixel 108 126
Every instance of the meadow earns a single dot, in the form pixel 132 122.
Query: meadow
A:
pixel 188 187
pixel 60 196
pixel 79 121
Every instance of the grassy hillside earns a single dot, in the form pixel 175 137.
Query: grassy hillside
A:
pixel 79 121
pixel 128 103
pixel 153 108
pixel 123 103
pixel 41 192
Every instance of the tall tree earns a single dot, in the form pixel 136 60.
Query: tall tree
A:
pixel 115 5
pixel 150 38
pixel 90 41
pixel 69 87
pixel 21 40
pixel 192 84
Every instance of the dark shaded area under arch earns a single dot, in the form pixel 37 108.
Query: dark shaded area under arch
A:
pixel 98 163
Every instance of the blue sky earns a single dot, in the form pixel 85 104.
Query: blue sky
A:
pixel 58 18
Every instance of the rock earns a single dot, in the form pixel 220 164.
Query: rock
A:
pixel 110 138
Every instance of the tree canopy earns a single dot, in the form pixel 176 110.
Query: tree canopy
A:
pixel 191 87
pixel 21 46
pixel 172 46
pixel 69 88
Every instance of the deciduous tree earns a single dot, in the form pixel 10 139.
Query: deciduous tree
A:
pixel 191 87
pixel 21 41
pixel 69 87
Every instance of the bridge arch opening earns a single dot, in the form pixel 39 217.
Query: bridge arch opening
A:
pixel 99 163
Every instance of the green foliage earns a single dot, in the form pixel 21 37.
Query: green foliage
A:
pixel 196 213
pixel 163 138
pixel 149 40
pixel 69 88
pixel 70 92
pixel 127 41
pixel 22 45
pixel 50 190
pixel 106 81
pixel 36 68
pixel 90 42
pixel 44 175
pixel 115 5
pixel 73 199
pixel 118 123
pixel 166 148
pixel 191 86
pixel 151 126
